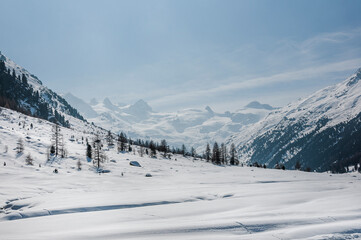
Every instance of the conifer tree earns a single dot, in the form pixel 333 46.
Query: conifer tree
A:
pixel 184 150
pixel 233 154
pixel 208 153
pixel 193 152
pixel 216 154
pixel 163 147
pixel 89 151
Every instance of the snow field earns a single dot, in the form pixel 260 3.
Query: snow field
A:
pixel 185 198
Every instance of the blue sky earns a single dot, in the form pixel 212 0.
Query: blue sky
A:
pixel 180 54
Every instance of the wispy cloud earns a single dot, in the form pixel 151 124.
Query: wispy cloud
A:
pixel 208 77
pixel 284 77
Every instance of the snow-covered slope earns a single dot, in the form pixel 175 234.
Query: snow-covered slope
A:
pixel 23 91
pixel 184 198
pixel 313 130
pixel 192 127
pixel 77 103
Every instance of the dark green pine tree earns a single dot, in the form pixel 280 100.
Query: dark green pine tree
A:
pixel 208 153
pixel 24 80
pixel 89 151
pixel 216 158
pixel 2 66
pixel 184 150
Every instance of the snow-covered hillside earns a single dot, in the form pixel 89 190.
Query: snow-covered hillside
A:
pixel 184 198
pixel 192 127
pixel 25 92
pixel 317 123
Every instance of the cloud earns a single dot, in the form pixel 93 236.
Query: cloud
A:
pixel 284 77
pixel 319 57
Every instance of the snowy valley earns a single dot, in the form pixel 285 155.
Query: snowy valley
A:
pixel 170 195
pixel 185 198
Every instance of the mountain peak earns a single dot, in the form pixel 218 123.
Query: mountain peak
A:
pixel 107 101
pixel 258 105
pixel 141 105
pixel 93 102
pixel 108 104
pixel 209 109
pixel 354 79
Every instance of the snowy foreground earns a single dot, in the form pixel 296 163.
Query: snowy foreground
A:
pixel 184 199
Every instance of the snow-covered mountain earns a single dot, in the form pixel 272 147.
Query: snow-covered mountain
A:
pixel 192 127
pixel 318 131
pixel 22 91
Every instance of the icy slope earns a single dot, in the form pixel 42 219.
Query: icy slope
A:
pixel 286 132
pixel 184 199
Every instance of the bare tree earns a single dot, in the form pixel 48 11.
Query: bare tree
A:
pixel 110 139
pixel 141 151
pixel 57 140
pixel 20 146
pixel 98 154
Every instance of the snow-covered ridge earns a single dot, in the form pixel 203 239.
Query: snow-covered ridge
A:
pixel 55 101
pixel 192 127
pixel 32 79
pixel 322 110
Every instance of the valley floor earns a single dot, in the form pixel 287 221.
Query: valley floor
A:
pixel 183 200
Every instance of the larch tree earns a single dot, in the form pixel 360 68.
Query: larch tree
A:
pixel 98 154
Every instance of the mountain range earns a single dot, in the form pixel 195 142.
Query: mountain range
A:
pixel 321 131
pixel 192 127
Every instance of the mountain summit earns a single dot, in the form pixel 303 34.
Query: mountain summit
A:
pixel 258 105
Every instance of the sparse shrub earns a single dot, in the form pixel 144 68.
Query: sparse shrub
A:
pixel 29 160
pixel 78 165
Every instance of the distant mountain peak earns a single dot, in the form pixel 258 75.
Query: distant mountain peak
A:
pixel 258 105
pixel 108 104
pixel 141 105
pixel 107 101
pixel 209 109
pixel 84 108
pixel 93 102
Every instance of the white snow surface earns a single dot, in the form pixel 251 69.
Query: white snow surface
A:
pixel 184 198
